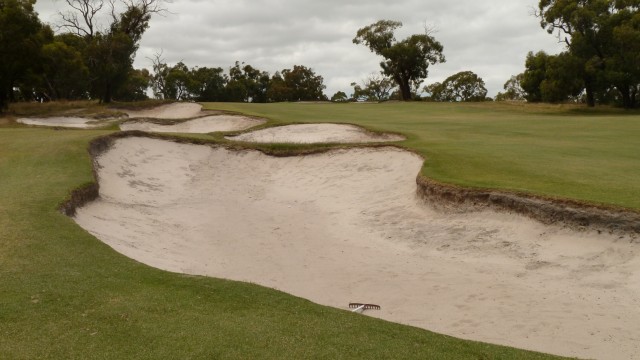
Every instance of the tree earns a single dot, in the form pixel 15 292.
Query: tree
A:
pixel 303 84
pixel 376 87
pixel 159 78
pixel 552 78
pixel 207 84
pixel 563 78
pixel 109 58
pixel 406 61
pixel 513 89
pixel 21 38
pixel 622 65
pixel 278 90
pixel 256 82
pixel 110 51
pixel 135 87
pixel 247 84
pixel 178 82
pixel 602 35
pixel 64 73
pixel 534 75
pixel 339 96
pixel 463 86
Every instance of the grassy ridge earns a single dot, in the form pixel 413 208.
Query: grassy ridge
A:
pixel 65 295
pixel 555 151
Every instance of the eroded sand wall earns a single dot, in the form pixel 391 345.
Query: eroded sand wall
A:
pixel 549 211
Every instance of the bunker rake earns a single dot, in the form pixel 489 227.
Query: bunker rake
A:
pixel 360 307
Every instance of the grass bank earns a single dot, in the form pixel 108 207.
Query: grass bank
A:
pixel 553 151
pixel 66 295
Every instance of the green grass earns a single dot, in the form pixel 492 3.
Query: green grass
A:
pixel 66 295
pixel 554 151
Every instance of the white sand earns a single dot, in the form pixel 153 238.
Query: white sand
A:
pixel 68 122
pixel 314 133
pixel 201 125
pixel 347 226
pixel 169 111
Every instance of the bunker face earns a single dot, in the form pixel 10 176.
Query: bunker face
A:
pixel 169 111
pixel 346 226
pixel 314 133
pixel 68 122
pixel 201 125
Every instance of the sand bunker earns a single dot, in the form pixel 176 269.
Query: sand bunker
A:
pixel 347 226
pixel 314 133
pixel 205 124
pixel 169 111
pixel 68 122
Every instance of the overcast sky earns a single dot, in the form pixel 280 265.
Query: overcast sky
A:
pixel 488 38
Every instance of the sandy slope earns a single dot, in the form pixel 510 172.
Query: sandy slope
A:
pixel 314 133
pixel 169 111
pixel 347 226
pixel 69 122
pixel 205 124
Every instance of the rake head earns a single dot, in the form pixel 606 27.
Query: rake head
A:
pixel 364 306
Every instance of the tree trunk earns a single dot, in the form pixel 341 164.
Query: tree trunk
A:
pixel 591 98
pixel 53 91
pixel 11 93
pixel 4 104
pixel 625 93
pixel 106 98
pixel 405 89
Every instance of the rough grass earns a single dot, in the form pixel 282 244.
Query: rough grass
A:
pixel 66 295
pixel 561 151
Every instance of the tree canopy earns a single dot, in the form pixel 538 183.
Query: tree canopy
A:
pixel 376 87
pixel 603 37
pixel 407 61
pixel 21 37
pixel 512 89
pixel 242 83
pixel 463 86
pixel 110 50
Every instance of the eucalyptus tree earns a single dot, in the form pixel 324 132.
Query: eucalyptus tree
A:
pixel 603 35
pixel 110 49
pixel 21 38
pixel 552 78
pixel 376 87
pixel 512 89
pixel 406 61
pixel 303 84
pixel 465 86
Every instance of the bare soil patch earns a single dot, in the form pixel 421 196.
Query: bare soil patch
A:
pixel 348 225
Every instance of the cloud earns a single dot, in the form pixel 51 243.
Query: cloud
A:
pixel 491 39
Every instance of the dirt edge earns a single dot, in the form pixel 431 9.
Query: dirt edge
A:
pixel 570 213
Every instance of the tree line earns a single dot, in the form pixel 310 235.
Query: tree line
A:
pixel 90 59
pixel 86 59
pixel 601 63
pixel 243 83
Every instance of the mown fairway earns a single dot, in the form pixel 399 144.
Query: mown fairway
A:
pixel 65 295
pixel 547 150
